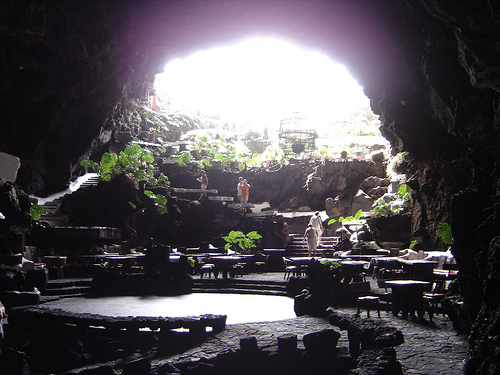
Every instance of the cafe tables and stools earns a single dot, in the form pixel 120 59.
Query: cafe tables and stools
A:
pixel 260 263
pixel 56 263
pixel 207 267
pixel 419 269
pixel 368 302
pixel 290 269
pixel 433 299
pixel 301 263
pixel 405 295
pixel 224 264
pixel 354 270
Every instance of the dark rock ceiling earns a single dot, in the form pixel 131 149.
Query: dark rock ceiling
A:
pixel 74 71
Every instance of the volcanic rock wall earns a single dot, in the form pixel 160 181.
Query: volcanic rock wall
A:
pixel 73 73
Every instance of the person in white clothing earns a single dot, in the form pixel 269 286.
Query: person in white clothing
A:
pixel 317 224
pixel 312 240
pixel 238 188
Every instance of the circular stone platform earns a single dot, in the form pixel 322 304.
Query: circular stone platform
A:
pixel 239 308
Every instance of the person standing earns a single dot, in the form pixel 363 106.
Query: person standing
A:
pixel 203 179
pixel 238 188
pixel 245 191
pixel 312 240
pixel 317 224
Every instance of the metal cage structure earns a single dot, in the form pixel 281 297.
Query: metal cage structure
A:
pixel 296 137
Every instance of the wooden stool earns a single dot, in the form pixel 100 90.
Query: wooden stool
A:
pixel 368 302
pixel 207 268
pixel 290 271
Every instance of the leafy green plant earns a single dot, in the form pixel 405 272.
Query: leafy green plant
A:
pixel 159 200
pixel 136 163
pixel 184 158
pixel 241 242
pixel 443 231
pixel 331 263
pixel 413 244
pixel 37 211
pixel 395 204
pixel 341 219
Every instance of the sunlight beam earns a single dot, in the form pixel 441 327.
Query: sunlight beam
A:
pixel 258 81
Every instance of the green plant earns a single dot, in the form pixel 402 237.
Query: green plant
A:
pixel 136 163
pixel 413 244
pixel 159 200
pixel 443 231
pixel 239 241
pixel 341 219
pixel 331 263
pixel 394 204
pixel 397 163
pixel 184 158
pixel 37 211
pixel 133 161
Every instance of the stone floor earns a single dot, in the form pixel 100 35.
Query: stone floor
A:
pixel 429 348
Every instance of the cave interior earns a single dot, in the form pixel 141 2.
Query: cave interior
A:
pixel 75 75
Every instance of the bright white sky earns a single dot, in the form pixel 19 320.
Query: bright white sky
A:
pixel 258 81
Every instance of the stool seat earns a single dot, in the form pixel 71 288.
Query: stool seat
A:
pixel 207 268
pixel 369 302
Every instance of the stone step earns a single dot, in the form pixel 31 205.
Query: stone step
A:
pixel 220 198
pixel 185 190
pixel 235 290
pixel 240 282
pixel 241 205
pixel 65 283
pixel 68 291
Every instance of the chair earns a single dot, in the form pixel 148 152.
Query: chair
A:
pixel 434 297
pixel 56 264
pixel 237 269
pixel 207 268
pixel 429 301
pixel 290 269
pixel 260 263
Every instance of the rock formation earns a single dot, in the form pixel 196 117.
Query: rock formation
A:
pixel 76 73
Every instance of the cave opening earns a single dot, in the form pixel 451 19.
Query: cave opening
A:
pixel 270 89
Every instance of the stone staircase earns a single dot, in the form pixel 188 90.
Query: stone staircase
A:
pixel 241 285
pixel 79 287
pixel 298 247
pixel 54 217
pixel 63 288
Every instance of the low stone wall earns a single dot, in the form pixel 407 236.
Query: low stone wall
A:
pixel 371 345
pixel 46 317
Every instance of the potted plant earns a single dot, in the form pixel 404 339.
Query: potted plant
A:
pixel 240 242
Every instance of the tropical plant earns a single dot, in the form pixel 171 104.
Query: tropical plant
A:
pixel 136 163
pixel 37 211
pixel 331 263
pixel 241 242
pixel 393 204
pixel 341 219
pixel 184 158
pixel 443 231
pixel 413 244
